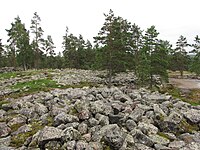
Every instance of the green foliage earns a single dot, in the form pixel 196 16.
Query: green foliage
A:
pixel 38 41
pixel 19 46
pixel 179 59
pixel 195 63
pixel 112 43
pixel 77 53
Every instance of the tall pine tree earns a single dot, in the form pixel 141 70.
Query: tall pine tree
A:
pixel 38 41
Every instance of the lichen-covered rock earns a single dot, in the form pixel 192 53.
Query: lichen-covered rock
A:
pixel 147 129
pixel 49 134
pixel 176 144
pixel 81 145
pixel 70 134
pixel 17 120
pixel 193 115
pixel 64 118
pixel 142 138
pixel 137 114
pixel 83 128
pixel 5 141
pixel 23 129
pixel 157 139
pixel 4 129
pixel 114 138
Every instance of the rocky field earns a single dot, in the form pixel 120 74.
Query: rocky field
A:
pixel 74 110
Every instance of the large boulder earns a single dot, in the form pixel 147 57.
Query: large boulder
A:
pixel 49 134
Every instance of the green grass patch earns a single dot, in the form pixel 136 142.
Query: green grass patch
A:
pixel 9 75
pixel 36 85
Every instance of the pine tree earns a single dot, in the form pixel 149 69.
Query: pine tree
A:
pixel 180 58
pixel 1 54
pixel 49 47
pixel 19 43
pixel 135 45
pixel 145 67
pixel 195 65
pixel 113 41
pixel 38 40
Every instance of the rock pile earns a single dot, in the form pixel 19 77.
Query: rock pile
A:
pixel 98 119
pixel 9 69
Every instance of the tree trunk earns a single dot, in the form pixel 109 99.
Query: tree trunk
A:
pixel 109 78
pixel 181 72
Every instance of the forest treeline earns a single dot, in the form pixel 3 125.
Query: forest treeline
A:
pixel 119 46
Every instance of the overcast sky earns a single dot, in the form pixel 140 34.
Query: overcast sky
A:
pixel 172 18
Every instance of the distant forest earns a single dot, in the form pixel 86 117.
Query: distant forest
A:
pixel 119 46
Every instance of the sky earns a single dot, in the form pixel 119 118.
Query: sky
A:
pixel 172 18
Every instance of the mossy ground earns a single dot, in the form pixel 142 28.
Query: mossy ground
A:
pixel 18 140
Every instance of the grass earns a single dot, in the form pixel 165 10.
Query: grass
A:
pixel 9 75
pixel 192 98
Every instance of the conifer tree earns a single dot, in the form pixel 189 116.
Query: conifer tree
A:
pixel 19 43
pixel 180 58
pixel 113 41
pixel 38 41
pixel 195 65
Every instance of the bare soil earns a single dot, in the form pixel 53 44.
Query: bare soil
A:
pixel 185 83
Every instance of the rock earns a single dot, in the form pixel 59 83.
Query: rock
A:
pixel 93 122
pixel 176 144
pixel 140 146
pixel 2 113
pixel 97 107
pixel 81 145
pixel 28 112
pixel 71 134
pixel 64 118
pixel 84 115
pixel 192 146
pixel 130 124
pixel 2 147
pixel 56 111
pixel 83 128
pixel 4 129
pixel 103 120
pixel 17 120
pixel 115 119
pixel 49 134
pixel 95 146
pixel 193 115
pixel 159 139
pixel 71 145
pixel 158 110
pixel 157 98
pixel 136 114
pixel 161 147
pixel 87 137
pixel 23 129
pixel 40 109
pixel 142 138
pixel 147 128
pixel 114 138
pixel 97 136
pixel 5 141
